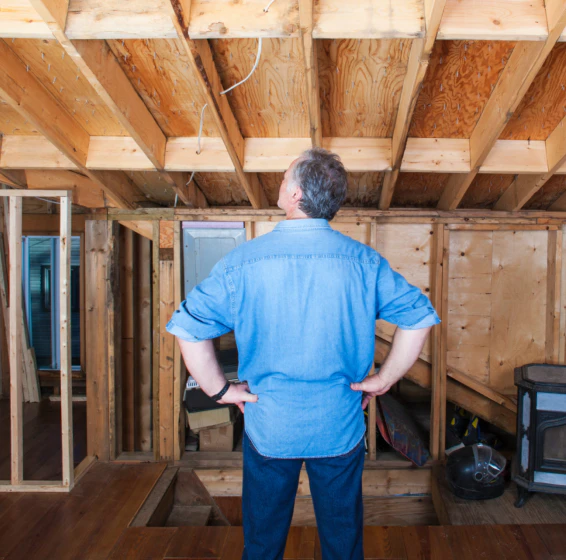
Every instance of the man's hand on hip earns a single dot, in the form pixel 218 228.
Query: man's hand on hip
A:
pixel 238 394
pixel 371 386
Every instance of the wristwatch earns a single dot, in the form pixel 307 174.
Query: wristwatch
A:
pixel 221 393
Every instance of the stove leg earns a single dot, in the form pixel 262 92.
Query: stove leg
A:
pixel 522 496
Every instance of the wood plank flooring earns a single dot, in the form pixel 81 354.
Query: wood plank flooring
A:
pixel 539 508
pixel 92 523
pixel 499 542
pixel 42 439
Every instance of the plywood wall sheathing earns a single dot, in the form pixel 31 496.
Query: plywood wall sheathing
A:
pixel 460 78
pixel 273 102
pixel 489 334
pixel 360 85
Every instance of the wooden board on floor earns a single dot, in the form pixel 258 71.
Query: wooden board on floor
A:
pixel 540 508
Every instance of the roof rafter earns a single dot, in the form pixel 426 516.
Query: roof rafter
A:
pixel 200 58
pixel 27 96
pixel 416 70
pixel 521 69
pixel 310 58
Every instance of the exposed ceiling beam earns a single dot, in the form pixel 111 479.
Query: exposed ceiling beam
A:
pixel 25 94
pixel 310 61
pixel 521 69
pixel 416 69
pixel 333 19
pixel 525 186
pixel 12 177
pixel 103 72
pixel 200 58
pixel 261 155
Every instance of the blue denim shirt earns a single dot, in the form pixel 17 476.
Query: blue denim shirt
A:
pixel 302 302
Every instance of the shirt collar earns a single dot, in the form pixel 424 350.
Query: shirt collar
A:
pixel 305 223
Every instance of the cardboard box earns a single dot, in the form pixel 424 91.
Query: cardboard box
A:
pixel 211 418
pixel 222 438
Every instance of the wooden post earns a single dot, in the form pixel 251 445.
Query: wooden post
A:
pixel 562 311
pixel 114 341
pixel 553 294
pixel 65 341
pixel 97 363
pixel 143 344
pixel 156 345
pixel 440 301
pixel 178 369
pixel 16 363
pixel 126 420
pixel 372 406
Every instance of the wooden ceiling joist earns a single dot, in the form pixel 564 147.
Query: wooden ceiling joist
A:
pixel 21 89
pixel 416 70
pixel 264 155
pixel 519 20
pixel 521 69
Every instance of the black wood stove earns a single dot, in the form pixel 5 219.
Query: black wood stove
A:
pixel 540 462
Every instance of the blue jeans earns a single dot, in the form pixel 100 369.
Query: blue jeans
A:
pixel 268 499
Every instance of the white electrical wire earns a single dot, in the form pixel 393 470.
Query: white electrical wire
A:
pixel 266 9
pixel 200 128
pixel 187 184
pixel 249 75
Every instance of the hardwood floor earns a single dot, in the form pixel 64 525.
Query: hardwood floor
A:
pixel 42 438
pixel 92 523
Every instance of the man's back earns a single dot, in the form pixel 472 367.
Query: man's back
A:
pixel 302 301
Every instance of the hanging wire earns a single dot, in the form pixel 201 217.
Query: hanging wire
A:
pixel 200 128
pixel 186 185
pixel 266 9
pixel 249 75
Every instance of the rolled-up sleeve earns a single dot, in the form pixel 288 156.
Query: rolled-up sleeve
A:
pixel 207 312
pixel 401 303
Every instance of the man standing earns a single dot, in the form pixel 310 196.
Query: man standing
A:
pixel 302 302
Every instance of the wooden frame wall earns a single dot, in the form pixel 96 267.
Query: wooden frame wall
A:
pixel 447 382
pixel 69 475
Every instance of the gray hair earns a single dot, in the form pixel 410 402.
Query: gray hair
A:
pixel 323 180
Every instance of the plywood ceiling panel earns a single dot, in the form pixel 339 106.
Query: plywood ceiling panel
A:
pixel 419 190
pixel 457 85
pixel 271 183
pixel 160 72
pixel 360 85
pixel 486 190
pixel 273 102
pixel 544 104
pixel 222 189
pixel 11 122
pixel 364 189
pixel 58 73
pixel 547 194
pixel 154 186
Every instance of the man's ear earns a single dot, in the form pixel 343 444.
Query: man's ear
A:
pixel 297 194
